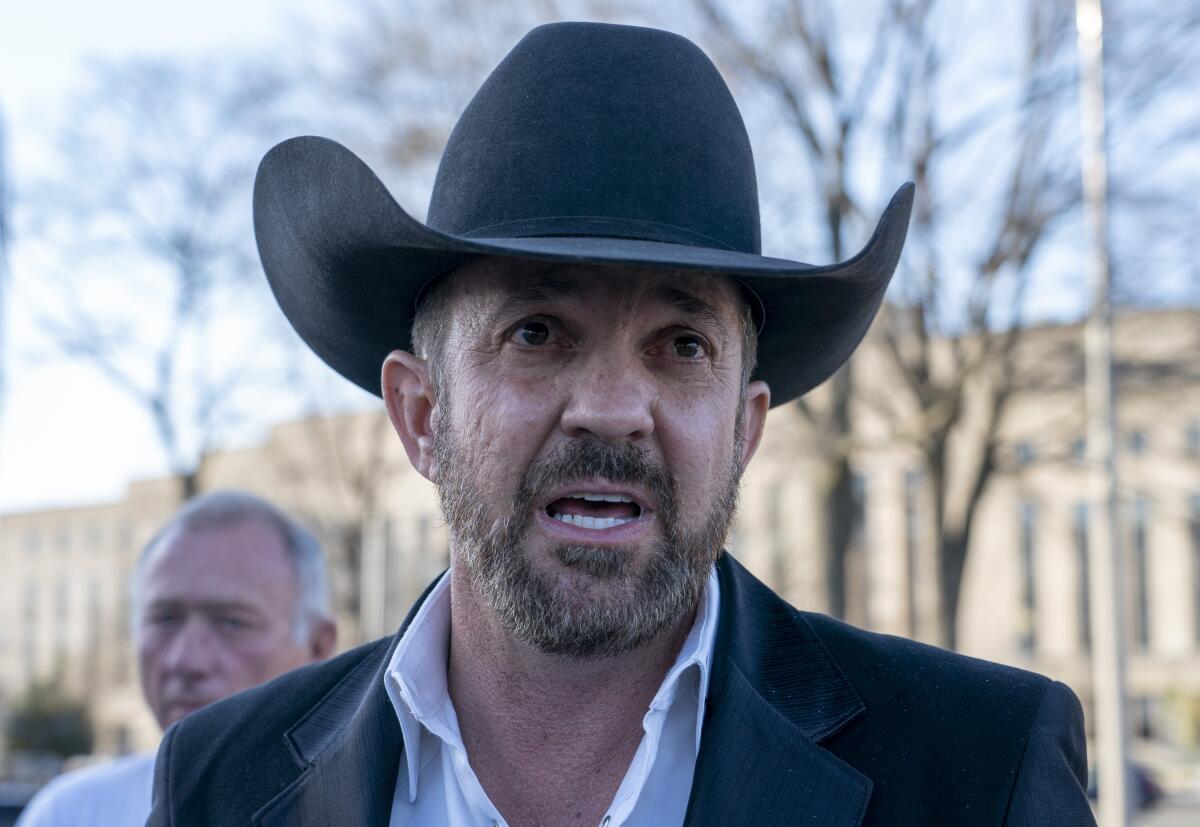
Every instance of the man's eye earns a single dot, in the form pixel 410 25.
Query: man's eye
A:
pixel 688 347
pixel 532 333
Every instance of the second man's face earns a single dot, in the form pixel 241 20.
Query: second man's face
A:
pixel 216 613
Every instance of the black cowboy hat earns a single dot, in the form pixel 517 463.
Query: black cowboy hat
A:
pixel 589 143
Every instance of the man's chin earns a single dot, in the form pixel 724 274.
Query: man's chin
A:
pixel 601 562
pixel 179 710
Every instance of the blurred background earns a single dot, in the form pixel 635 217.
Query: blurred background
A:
pixel 935 488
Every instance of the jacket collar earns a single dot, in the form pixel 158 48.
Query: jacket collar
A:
pixel 775 694
pixel 348 746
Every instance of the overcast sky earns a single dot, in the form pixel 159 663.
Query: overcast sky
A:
pixel 66 437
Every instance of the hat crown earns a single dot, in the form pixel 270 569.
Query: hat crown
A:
pixel 592 129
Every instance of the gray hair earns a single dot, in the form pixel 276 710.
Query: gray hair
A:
pixel 219 508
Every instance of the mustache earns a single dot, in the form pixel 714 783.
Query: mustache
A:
pixel 591 459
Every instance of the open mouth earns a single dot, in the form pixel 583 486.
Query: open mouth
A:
pixel 595 510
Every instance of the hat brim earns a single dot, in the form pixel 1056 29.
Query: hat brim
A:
pixel 347 263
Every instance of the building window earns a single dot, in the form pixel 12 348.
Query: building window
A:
pixel 93 610
pixel 92 649
pixel 858 507
pixel 124 632
pixel 856 578
pixel 1079 529
pixel 62 610
pixel 1194 525
pixel 914 481
pixel 124 612
pixel 1027 630
pixel 62 540
pixel 1079 449
pixel 1137 443
pixel 1193 439
pixel 33 541
pixel 778 545
pixel 125 536
pixel 30 623
pixel 1147 715
pixel 1024 454
pixel 1141 572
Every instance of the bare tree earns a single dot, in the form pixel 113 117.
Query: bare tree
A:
pixel 994 160
pixel 957 363
pixel 148 272
pixel 795 54
pixel 953 336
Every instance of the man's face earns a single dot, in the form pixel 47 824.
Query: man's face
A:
pixel 590 434
pixel 216 615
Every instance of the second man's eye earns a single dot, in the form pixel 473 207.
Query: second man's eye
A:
pixel 533 333
pixel 689 347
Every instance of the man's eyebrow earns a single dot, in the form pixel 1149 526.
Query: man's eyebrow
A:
pixel 202 605
pixel 534 293
pixel 690 304
pixel 546 289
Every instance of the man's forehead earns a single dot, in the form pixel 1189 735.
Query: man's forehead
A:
pixel 236 545
pixel 497 281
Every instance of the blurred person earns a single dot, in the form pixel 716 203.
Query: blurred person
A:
pixel 579 350
pixel 230 593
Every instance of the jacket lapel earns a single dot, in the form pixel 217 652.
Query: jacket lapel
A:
pixel 774 695
pixel 349 748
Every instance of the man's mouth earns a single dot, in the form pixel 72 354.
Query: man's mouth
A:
pixel 178 708
pixel 595 510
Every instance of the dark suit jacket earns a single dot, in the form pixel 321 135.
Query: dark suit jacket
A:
pixel 808 721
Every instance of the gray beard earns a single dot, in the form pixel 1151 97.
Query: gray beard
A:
pixel 576 616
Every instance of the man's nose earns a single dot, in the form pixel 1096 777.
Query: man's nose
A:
pixel 610 399
pixel 192 652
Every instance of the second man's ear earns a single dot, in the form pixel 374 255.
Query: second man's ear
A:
pixel 409 399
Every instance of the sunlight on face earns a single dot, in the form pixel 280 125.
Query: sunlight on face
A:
pixel 589 446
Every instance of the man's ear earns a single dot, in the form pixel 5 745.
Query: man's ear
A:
pixel 409 400
pixel 322 640
pixel 758 401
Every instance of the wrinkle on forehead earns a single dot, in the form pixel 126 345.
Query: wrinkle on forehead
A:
pixel 712 297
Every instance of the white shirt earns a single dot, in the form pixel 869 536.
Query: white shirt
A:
pixel 114 794
pixel 436 784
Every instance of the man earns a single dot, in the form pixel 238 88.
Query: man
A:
pixel 230 593
pixel 579 350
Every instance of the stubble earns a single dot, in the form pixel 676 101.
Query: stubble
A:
pixel 607 605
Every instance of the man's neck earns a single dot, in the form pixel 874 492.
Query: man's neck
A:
pixel 549 737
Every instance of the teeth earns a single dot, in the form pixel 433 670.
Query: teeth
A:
pixel 602 498
pixel 595 523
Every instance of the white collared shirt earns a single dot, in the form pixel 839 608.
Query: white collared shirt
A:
pixel 436 784
pixel 115 794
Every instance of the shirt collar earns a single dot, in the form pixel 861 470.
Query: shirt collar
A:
pixel 416 680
